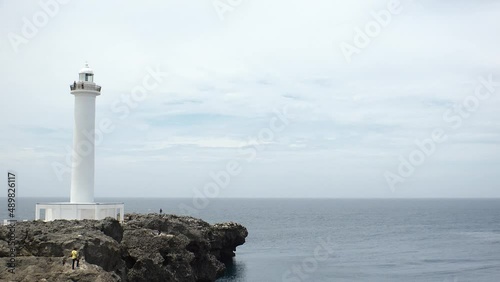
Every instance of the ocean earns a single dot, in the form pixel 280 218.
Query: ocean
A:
pixel 293 240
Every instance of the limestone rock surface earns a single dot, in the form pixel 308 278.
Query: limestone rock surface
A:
pixel 148 247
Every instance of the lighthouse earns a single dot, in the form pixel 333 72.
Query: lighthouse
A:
pixel 83 161
pixel 81 204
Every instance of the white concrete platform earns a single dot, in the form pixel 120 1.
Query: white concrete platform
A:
pixel 70 211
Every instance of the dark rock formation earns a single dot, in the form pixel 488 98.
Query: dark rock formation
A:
pixel 145 248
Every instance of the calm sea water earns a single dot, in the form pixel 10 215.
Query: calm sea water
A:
pixel 368 240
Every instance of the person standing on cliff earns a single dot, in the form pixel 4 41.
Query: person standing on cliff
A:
pixel 75 257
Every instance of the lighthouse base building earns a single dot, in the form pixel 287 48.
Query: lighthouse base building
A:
pixel 70 211
pixel 82 205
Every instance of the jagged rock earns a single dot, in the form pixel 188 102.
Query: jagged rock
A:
pixel 148 247
pixel 227 236
pixel 112 228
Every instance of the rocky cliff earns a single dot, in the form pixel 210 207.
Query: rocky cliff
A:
pixel 144 248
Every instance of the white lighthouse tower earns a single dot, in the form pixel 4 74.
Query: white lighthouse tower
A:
pixel 83 161
pixel 82 205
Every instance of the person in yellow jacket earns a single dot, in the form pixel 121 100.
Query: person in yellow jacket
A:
pixel 75 257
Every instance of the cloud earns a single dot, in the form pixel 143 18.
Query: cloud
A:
pixel 348 121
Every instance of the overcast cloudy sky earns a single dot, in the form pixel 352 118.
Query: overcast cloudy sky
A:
pixel 287 89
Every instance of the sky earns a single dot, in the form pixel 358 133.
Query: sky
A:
pixel 240 98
